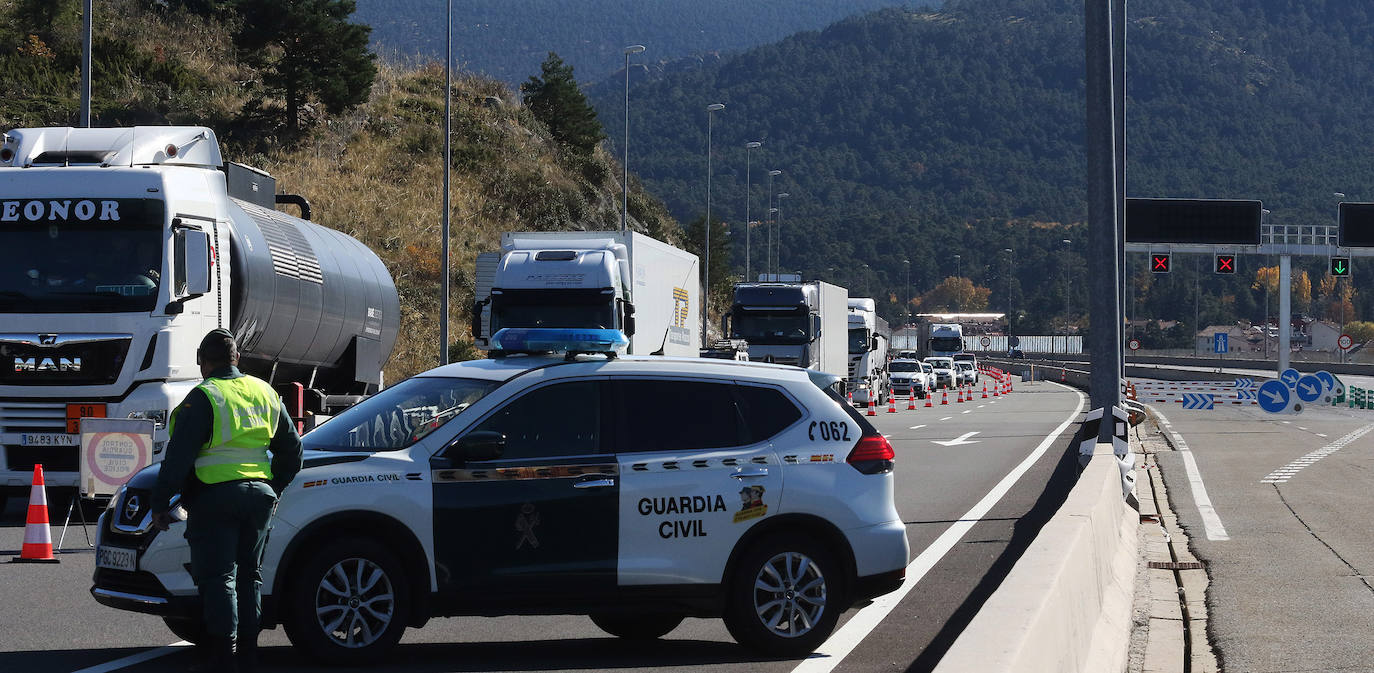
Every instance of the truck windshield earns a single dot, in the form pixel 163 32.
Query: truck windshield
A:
pixel 770 327
pixel 61 255
pixel 898 366
pixel 399 416
pixel 946 344
pixel 858 341
pixel 552 308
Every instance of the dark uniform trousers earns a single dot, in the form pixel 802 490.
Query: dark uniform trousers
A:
pixel 227 530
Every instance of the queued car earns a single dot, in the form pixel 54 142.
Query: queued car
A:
pixel 945 374
pixel 967 374
pixel 637 490
pixel 909 377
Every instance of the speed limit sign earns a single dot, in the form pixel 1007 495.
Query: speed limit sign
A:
pixel 1133 344
pixel 1345 342
pixel 986 341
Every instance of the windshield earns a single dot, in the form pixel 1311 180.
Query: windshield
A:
pixel 552 308
pixel 941 363
pixel 858 341
pixel 904 367
pixel 946 344
pixel 770 327
pixel 59 255
pixel 400 415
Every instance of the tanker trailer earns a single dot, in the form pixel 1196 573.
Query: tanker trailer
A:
pixel 121 247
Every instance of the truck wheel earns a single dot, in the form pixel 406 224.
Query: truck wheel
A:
pixel 189 630
pixel 348 602
pixel 637 626
pixel 784 598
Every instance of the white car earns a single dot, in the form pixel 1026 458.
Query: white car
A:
pixel 909 378
pixel 638 490
pixel 970 358
pixel 945 374
pixel 968 375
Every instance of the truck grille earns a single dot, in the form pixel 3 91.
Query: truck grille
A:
pixel 76 363
pixel 16 417
pixel 854 367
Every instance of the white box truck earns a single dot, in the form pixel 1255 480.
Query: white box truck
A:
pixel 599 279
pixel 868 345
pixel 121 247
pixel 803 324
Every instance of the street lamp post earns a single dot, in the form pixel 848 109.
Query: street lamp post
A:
pixel 625 187
pixel 958 273
pixel 706 248
pixel 749 147
pixel 777 255
pixel 1007 272
pixel 906 292
pixel 1340 297
pixel 1068 290
pixel 768 252
pixel 444 225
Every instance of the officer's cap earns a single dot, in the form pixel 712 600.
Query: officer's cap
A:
pixel 217 346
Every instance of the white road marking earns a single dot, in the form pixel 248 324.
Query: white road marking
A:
pixel 1211 523
pixel 136 658
pixel 842 642
pixel 1322 435
pixel 946 418
pixel 918 427
pixel 958 441
pixel 1283 474
pixel 966 411
pixel 981 406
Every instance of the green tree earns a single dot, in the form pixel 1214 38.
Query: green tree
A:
pixel 307 49
pixel 556 100
pixel 722 283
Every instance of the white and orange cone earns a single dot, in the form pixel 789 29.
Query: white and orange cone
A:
pixel 872 407
pixel 911 399
pixel 891 402
pixel 37 537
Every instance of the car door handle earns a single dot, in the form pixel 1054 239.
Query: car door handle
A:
pixel 594 483
pixel 755 472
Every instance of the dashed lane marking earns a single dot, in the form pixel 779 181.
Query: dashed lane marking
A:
pixel 918 427
pixel 1283 474
pixel 946 418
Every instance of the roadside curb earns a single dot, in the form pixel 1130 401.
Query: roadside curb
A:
pixel 1169 616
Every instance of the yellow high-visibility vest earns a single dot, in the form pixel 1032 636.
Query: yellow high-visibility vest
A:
pixel 246 411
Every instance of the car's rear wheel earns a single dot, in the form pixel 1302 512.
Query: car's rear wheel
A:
pixel 637 626
pixel 348 602
pixel 785 596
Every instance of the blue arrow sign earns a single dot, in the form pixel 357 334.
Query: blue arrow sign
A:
pixel 1309 388
pixel 1328 381
pixel 1245 383
pixel 1290 376
pixel 1246 394
pixel 1197 400
pixel 1274 396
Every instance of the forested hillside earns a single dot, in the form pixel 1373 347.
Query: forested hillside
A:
pixel 922 135
pixel 507 39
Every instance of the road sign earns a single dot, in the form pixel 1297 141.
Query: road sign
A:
pixel 112 450
pixel 1133 344
pixel 1290 377
pixel 1275 396
pixel 1247 394
pixel 1202 221
pixel 1309 388
pixel 1159 262
pixel 1340 266
pixel 1197 400
pixel 1219 342
pixel 1356 225
pixel 1225 264
pixel 1245 383
pixel 1329 393
pixel 985 341
pixel 1345 342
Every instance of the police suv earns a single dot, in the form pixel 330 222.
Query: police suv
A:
pixel 636 490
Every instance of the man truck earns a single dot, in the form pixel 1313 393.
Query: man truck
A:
pixel 122 247
pixel 802 324
pixel 946 339
pixel 868 344
pixel 595 279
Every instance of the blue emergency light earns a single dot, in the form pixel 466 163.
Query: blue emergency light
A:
pixel 556 339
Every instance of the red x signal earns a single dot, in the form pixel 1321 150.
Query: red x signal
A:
pixel 1159 263
pixel 1225 264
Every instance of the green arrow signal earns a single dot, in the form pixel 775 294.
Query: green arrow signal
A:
pixel 1339 267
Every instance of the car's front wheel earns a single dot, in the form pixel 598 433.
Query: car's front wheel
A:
pixel 637 626
pixel 785 597
pixel 348 602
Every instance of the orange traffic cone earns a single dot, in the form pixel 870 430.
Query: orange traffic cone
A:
pixel 872 408
pixel 996 387
pixel 911 400
pixel 851 397
pixel 930 399
pixel 37 538
pixel 944 396
pixel 891 403
pixel 985 390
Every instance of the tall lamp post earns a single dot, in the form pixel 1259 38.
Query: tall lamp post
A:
pixel 625 186
pixel 906 292
pixel 1007 271
pixel 749 147
pixel 1340 296
pixel 1068 290
pixel 768 224
pixel 706 248
pixel 448 163
pixel 958 273
pixel 777 254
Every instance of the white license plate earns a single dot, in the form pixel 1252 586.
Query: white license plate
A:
pixel 48 439
pixel 116 558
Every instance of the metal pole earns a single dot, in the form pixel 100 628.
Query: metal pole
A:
pixel 625 186
pixel 1119 112
pixel 448 162
pixel 749 147
pixel 777 256
pixel 1197 320
pixel 86 66
pixel 706 248
pixel 1285 310
pixel 1103 228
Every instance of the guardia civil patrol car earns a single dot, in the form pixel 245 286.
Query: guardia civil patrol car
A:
pixel 636 490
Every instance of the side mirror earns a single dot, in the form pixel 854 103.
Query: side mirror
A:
pixel 874 345
pixel 815 325
pixel 725 325
pixel 476 321
pixel 629 319
pixel 479 445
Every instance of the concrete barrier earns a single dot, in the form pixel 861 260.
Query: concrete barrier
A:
pixel 1066 605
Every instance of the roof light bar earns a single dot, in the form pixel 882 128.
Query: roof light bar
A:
pixel 570 340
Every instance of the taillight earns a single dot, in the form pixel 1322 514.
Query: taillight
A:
pixel 872 455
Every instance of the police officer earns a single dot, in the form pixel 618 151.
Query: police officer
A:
pixel 218 459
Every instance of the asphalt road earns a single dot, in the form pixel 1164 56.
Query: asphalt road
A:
pixel 48 621
pixel 1289 585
